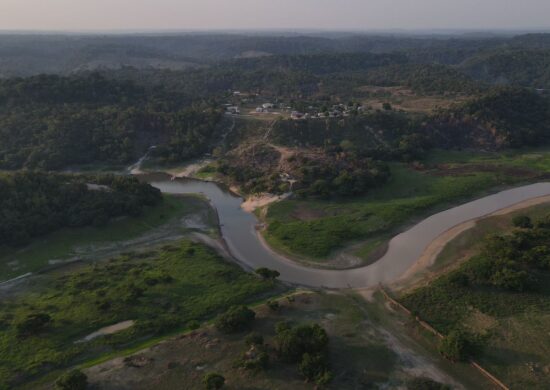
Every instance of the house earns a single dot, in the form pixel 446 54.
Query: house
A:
pixel 296 115
pixel 234 110
pixel 259 109
pixel 267 106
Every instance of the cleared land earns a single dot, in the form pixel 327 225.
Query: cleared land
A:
pixel 362 355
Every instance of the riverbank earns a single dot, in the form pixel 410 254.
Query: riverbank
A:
pixel 239 231
pixel 423 271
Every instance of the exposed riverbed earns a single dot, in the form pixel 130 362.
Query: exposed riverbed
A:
pixel 239 231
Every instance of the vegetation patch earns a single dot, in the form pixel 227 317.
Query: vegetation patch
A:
pixel 493 300
pixel 162 291
pixel 91 242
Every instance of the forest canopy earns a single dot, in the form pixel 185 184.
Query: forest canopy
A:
pixel 33 204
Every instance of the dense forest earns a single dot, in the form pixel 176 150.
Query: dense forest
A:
pixel 33 204
pixel 51 122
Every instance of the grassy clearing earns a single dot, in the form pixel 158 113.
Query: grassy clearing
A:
pixel 162 291
pixel 360 357
pixel 314 229
pixel 69 243
pixel 514 325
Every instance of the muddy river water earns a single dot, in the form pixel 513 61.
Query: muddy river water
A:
pixel 239 231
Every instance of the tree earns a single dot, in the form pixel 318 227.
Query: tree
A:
pixel 236 319
pixel 73 380
pixel 457 346
pixel 387 106
pixel 293 343
pixel 313 367
pixel 522 221
pixel 213 381
pixel 267 273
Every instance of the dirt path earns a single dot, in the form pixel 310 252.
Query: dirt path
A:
pixel 112 329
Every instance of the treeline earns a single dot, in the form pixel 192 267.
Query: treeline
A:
pixel 50 122
pixel 33 204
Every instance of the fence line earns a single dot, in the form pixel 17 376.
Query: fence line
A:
pixel 431 329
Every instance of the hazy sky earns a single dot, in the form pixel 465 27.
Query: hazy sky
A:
pixel 266 14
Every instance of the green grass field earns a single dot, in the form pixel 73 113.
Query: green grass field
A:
pixel 161 290
pixel 314 229
pixel 70 243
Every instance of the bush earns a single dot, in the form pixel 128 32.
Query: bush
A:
pixel 267 273
pixel 457 346
pixel 193 324
pixel 73 380
pixel 313 367
pixel 33 324
pixel 256 358
pixel 293 343
pixel 236 319
pixel 273 305
pixel 423 383
pixel 254 339
pixel 522 221
pixel 213 381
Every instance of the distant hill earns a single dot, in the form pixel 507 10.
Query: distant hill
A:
pixel 24 55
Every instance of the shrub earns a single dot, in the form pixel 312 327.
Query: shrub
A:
pixel 522 221
pixel 33 324
pixel 193 324
pixel 313 367
pixel 457 346
pixel 423 383
pixel 236 319
pixel 273 305
pixel 213 381
pixel 256 358
pixel 293 343
pixel 267 273
pixel 73 380
pixel 254 339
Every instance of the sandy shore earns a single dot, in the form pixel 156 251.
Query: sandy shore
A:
pixel 254 202
pixel 433 250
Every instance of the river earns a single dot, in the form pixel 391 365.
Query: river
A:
pixel 239 231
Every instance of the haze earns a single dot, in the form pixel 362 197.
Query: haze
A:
pixel 84 15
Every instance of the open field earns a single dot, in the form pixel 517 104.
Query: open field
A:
pixel 315 229
pixel 82 243
pixel 161 291
pixel 402 98
pixel 513 325
pixel 361 354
